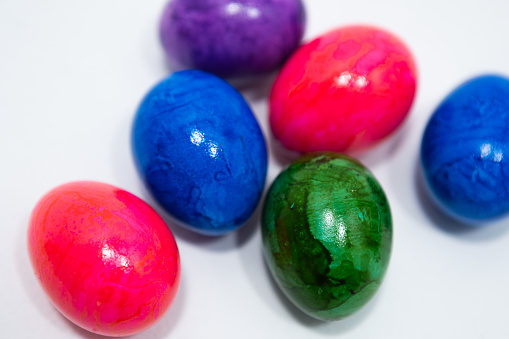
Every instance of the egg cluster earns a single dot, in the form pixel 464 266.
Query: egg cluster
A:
pixel 110 264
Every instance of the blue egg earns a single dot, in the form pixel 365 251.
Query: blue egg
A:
pixel 200 151
pixel 464 150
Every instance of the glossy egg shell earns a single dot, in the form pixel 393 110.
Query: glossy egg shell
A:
pixel 201 151
pixel 105 258
pixel 231 37
pixel 344 91
pixel 464 150
pixel 327 234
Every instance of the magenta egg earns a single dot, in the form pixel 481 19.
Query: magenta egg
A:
pixel 105 258
pixel 345 91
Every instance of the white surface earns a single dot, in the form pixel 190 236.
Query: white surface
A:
pixel 71 76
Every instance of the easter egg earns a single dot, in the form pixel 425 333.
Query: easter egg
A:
pixel 464 147
pixel 327 234
pixel 201 152
pixel 231 37
pixel 105 258
pixel 343 92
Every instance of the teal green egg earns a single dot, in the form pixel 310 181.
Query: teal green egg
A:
pixel 327 234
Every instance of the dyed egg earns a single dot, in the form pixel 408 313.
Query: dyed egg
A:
pixel 231 37
pixel 343 92
pixel 464 150
pixel 105 258
pixel 201 151
pixel 327 234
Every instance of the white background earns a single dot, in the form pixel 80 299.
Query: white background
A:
pixel 72 74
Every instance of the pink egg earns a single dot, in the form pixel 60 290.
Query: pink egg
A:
pixel 106 259
pixel 344 91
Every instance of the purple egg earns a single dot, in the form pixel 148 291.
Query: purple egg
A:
pixel 231 37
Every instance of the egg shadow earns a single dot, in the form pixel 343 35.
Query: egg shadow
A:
pixel 253 87
pixel 443 222
pixel 227 242
pixel 386 148
pixel 282 156
pixel 324 327
pixel 82 333
pixel 380 152
pixel 171 66
pixel 247 231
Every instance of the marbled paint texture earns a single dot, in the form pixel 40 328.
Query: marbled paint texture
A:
pixel 105 258
pixel 464 150
pixel 200 151
pixel 343 92
pixel 327 234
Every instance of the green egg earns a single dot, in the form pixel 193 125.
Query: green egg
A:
pixel 327 234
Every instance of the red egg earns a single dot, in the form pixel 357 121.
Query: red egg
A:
pixel 343 92
pixel 106 259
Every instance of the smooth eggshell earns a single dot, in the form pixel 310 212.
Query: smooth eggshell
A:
pixel 231 37
pixel 105 258
pixel 464 150
pixel 344 91
pixel 200 151
pixel 327 234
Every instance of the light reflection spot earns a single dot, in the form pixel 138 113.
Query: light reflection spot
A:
pixel 341 232
pixel 115 258
pixel 329 218
pixel 343 79
pixel 485 150
pixel 213 150
pixel 197 137
pixel 361 82
pixel 498 156
pixel 347 78
pixel 331 223
pixel 253 12
pixel 233 8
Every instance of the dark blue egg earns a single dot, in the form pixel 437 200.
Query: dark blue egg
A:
pixel 200 151
pixel 464 150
